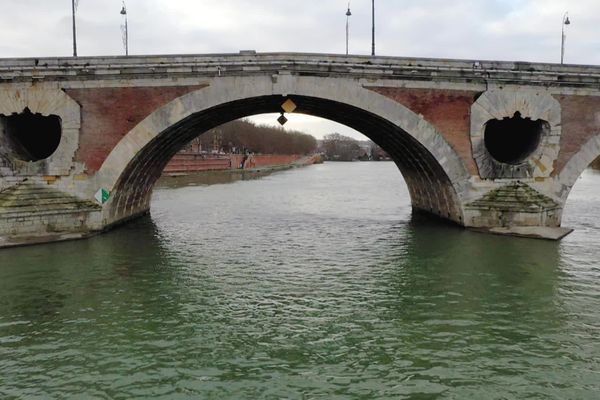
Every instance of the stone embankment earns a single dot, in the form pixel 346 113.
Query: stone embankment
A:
pixel 29 205
pixel 186 163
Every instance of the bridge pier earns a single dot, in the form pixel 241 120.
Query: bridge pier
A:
pixel 491 146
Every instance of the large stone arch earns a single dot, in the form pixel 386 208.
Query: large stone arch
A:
pixel 437 179
pixel 575 166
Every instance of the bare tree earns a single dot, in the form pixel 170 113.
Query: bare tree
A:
pixel 340 148
pixel 244 136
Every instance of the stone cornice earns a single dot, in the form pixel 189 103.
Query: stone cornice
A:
pixel 61 69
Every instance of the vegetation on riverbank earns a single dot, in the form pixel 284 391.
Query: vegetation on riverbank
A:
pixel 243 136
pixel 338 147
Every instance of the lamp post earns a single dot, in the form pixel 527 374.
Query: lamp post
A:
pixel 348 14
pixel 565 22
pixel 73 8
pixel 124 29
pixel 373 27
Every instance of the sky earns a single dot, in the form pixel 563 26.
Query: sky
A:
pixel 517 30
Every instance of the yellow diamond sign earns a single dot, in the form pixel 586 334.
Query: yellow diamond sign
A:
pixel 289 106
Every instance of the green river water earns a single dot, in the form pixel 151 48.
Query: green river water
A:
pixel 312 283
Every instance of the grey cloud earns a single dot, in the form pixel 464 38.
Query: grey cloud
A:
pixel 510 29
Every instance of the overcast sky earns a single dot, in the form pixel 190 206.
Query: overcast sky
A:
pixel 525 30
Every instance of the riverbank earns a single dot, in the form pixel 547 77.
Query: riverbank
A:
pixel 191 163
pixel 230 175
pixel 214 177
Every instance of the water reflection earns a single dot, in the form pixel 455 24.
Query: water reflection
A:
pixel 462 298
pixel 50 282
pixel 284 288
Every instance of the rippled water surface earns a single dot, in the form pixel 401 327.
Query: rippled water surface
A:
pixel 313 283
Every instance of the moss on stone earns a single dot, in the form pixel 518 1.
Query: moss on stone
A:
pixel 32 198
pixel 516 197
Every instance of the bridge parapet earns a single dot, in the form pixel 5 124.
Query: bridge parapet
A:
pixel 247 64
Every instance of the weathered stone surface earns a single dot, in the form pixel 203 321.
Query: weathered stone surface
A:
pixel 515 204
pixel 32 212
pixel 532 232
pixel 533 104
pixel 45 101
pixel 514 197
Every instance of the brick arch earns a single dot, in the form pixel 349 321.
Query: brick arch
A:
pixel 575 167
pixel 436 177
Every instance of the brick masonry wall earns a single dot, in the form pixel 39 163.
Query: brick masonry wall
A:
pixel 183 162
pixel 107 114
pixel 265 160
pixel 195 162
pixel 580 122
pixel 447 110
pixel 275 159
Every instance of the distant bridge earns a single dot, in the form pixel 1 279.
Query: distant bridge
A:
pixel 489 145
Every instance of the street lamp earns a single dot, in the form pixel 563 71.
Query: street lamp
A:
pixel 348 14
pixel 373 28
pixel 124 29
pixel 73 9
pixel 565 22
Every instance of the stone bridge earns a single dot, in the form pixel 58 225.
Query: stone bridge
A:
pixel 495 146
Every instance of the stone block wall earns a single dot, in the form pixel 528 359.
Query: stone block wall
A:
pixel 49 224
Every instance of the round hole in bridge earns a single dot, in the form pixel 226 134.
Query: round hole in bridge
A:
pixel 512 140
pixel 31 137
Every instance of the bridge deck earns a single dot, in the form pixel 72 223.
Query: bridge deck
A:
pixel 251 63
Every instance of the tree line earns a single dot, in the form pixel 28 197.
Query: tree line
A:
pixel 243 136
pixel 338 147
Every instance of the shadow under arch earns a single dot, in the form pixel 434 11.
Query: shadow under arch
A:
pixel 433 172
